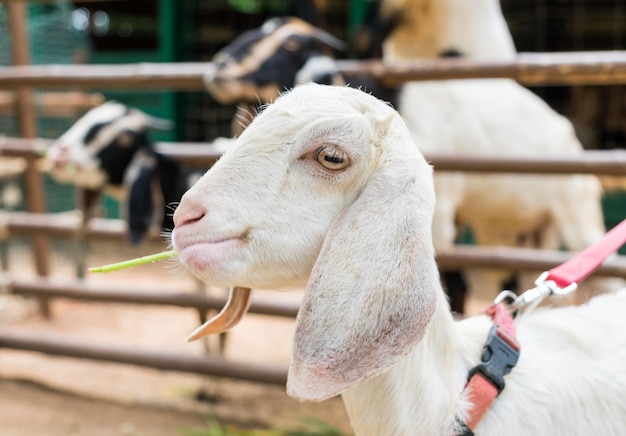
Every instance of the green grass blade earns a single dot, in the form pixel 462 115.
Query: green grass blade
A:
pixel 134 262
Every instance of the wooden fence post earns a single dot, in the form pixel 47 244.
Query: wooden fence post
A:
pixel 28 129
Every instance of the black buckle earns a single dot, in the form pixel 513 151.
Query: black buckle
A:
pixel 464 430
pixel 499 357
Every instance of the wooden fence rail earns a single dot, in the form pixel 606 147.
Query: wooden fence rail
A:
pixel 203 155
pixel 41 287
pixel 206 364
pixel 567 68
pixel 457 257
pixel 67 226
pixel 219 367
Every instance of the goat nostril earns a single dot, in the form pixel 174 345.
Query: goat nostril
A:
pixel 188 215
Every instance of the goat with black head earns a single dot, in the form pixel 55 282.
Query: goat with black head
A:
pixel 257 66
pixel 262 62
pixel 109 149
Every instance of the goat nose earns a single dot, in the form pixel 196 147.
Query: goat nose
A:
pixel 187 213
pixel 57 150
pixel 325 78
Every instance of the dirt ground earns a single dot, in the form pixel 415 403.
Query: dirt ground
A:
pixel 47 395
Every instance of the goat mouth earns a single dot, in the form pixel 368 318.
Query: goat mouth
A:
pixel 224 90
pixel 64 167
pixel 83 175
pixel 206 254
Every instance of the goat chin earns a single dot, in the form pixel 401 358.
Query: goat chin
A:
pixel 340 197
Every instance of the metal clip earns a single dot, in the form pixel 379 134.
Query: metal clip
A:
pixel 543 289
pixel 532 297
pixel 507 298
pixel 555 289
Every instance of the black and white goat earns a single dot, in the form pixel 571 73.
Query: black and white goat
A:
pixel 109 149
pixel 261 63
pixel 256 67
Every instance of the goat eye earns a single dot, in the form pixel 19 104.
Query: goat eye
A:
pixel 125 139
pixel 292 45
pixel 331 158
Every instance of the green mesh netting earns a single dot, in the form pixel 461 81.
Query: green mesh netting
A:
pixel 52 40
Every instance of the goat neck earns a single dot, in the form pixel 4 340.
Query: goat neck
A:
pixel 425 387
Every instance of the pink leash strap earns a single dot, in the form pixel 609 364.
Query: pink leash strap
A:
pixel 501 351
pixel 579 267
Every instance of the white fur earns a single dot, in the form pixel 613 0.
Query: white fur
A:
pixel 374 324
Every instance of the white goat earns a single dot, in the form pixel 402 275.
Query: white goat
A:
pixel 503 209
pixel 339 199
pixel 426 29
pixel 474 117
pixel 498 117
pixel 490 118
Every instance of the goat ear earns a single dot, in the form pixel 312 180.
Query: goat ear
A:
pixel 372 291
pixel 329 40
pixel 140 201
pixel 172 189
pixel 153 122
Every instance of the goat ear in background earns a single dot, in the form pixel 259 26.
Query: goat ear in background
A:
pixel 328 40
pixel 157 123
pixel 140 201
pixel 369 298
pixel 143 202
pixel 172 187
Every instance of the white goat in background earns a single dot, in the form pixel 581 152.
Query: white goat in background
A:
pixel 544 211
pixel 428 29
pixel 493 117
pixel 339 199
